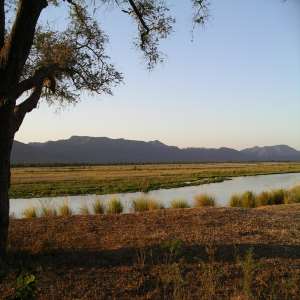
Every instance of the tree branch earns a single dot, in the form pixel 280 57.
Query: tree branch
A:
pixel 2 23
pixel 139 15
pixel 21 38
pixel 27 106
pixel 39 76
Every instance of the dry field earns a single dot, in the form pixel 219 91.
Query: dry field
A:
pixel 30 182
pixel 206 253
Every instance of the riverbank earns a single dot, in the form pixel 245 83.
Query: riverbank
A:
pixel 208 253
pixel 35 182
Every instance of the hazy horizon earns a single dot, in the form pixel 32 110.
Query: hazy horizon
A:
pixel 236 85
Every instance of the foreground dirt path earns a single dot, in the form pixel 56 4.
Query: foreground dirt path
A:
pixel 121 256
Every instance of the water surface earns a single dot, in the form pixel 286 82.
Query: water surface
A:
pixel 222 191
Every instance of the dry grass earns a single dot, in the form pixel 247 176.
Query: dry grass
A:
pixel 179 203
pixel 84 210
pixel 293 195
pixel 203 200
pixel 98 207
pixel 65 210
pixel 138 256
pixel 144 203
pixel 114 206
pixel 47 211
pixel 30 212
pixel 47 181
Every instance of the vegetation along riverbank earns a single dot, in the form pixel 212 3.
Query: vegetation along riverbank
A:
pixel 30 182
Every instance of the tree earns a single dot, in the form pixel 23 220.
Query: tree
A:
pixel 37 61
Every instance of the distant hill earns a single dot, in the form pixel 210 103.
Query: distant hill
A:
pixel 103 150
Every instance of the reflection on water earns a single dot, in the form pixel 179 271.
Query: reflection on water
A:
pixel 222 191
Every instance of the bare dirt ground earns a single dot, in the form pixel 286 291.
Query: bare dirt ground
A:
pixel 206 253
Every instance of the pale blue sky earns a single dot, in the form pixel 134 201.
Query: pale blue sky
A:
pixel 236 85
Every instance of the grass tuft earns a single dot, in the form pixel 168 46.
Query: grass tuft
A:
pixel 48 211
pixel 98 207
pixel 30 213
pixel 84 210
pixel 246 200
pixel 293 195
pixel 235 201
pixel 179 203
pixel 114 206
pixel 144 203
pixel 263 199
pixel 204 200
pixel 65 210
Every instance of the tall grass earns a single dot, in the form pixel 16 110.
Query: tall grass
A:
pixel 65 210
pixel 277 196
pixel 30 213
pixel 293 195
pixel 145 203
pixel 179 203
pixel 84 210
pixel 246 200
pixel 263 199
pixel 203 200
pixel 98 207
pixel 48 211
pixel 114 206
pixel 274 197
pixel 235 201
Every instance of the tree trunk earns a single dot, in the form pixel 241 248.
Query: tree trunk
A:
pixel 6 141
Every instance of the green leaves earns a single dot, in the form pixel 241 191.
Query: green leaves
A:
pixel 25 287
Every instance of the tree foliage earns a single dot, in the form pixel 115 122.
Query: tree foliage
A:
pixel 60 64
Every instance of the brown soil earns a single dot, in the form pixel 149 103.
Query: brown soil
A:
pixel 139 256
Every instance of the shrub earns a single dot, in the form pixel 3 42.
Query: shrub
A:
pixel 65 210
pixel 114 206
pixel 248 200
pixel 98 207
pixel 144 203
pixel 179 203
pixel 30 212
pixel 204 200
pixel 235 201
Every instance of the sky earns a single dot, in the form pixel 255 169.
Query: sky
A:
pixel 235 82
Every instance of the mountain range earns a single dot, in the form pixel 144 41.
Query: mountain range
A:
pixel 103 150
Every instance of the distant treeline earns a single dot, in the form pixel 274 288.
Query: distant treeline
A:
pixel 36 165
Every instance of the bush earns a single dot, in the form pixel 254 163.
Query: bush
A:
pixel 114 206
pixel 235 201
pixel 65 210
pixel 30 212
pixel 203 200
pixel 144 203
pixel 179 203
pixel 98 207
